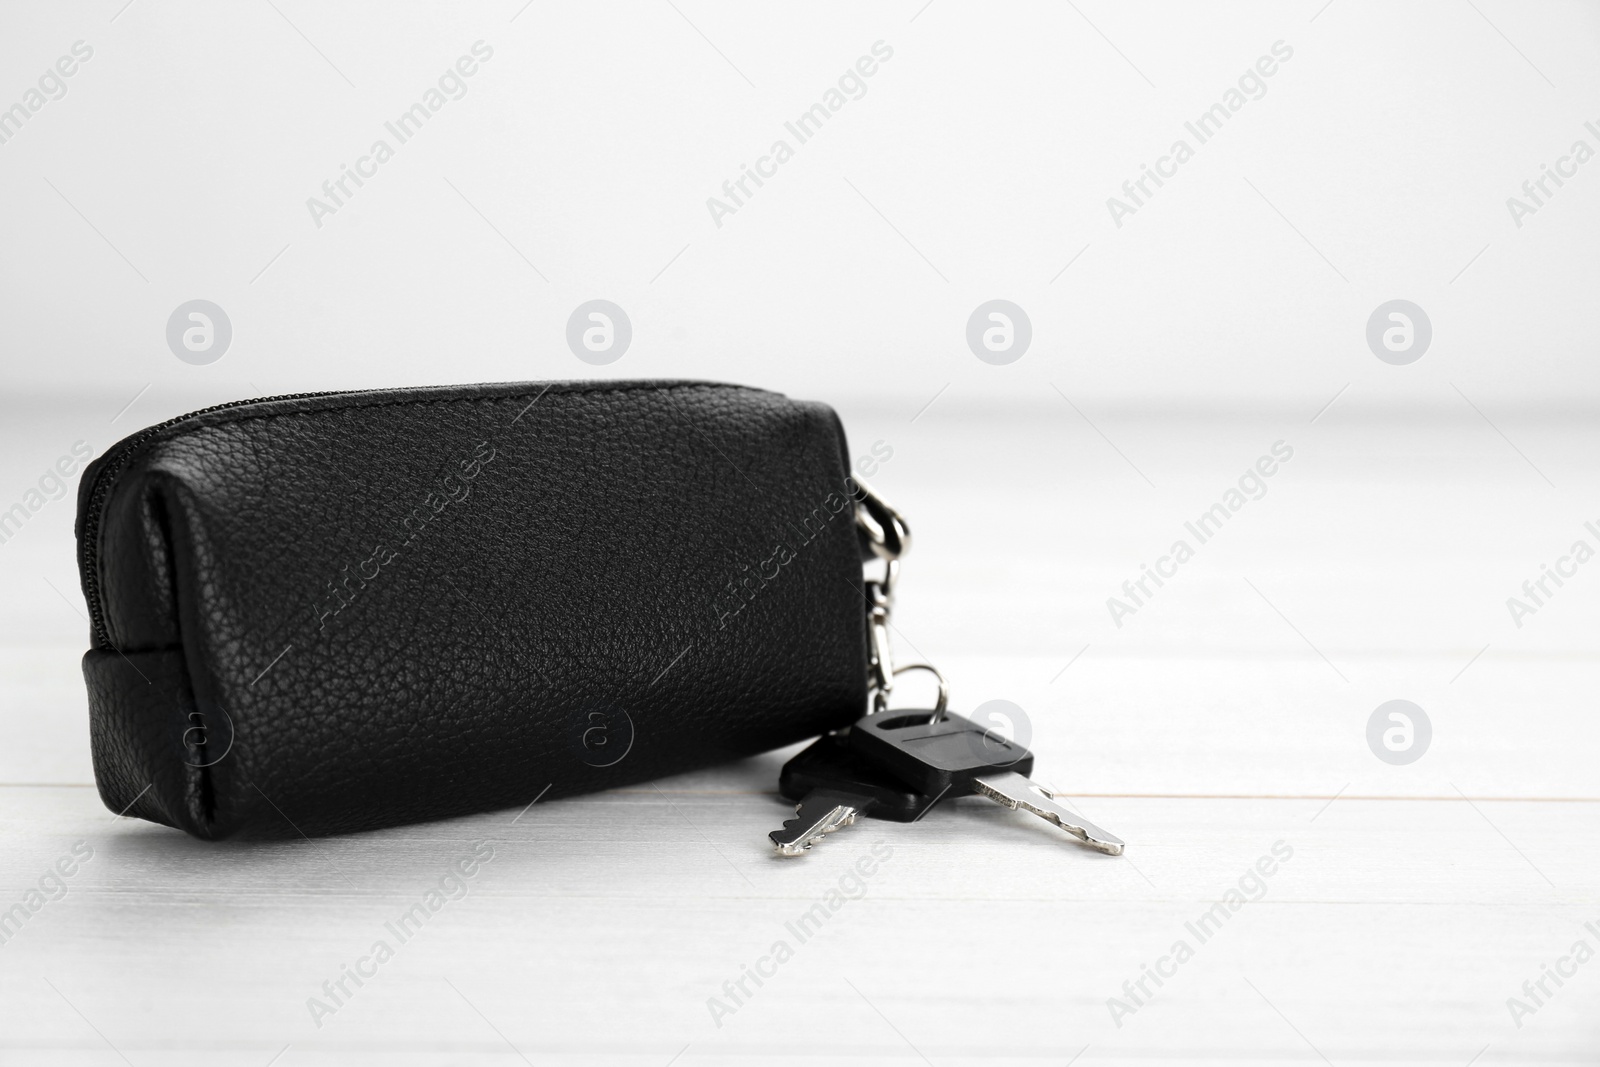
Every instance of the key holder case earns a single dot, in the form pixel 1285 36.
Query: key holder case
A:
pixel 327 613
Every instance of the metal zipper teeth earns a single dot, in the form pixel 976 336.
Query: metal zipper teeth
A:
pixel 123 451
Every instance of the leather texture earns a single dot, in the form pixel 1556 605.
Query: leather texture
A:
pixel 340 612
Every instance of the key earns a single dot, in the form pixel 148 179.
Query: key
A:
pixel 835 786
pixel 954 757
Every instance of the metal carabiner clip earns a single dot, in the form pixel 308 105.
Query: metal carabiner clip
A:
pixel 889 538
pixel 886 532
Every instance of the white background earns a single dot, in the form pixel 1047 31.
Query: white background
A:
pixel 1168 353
pixel 991 140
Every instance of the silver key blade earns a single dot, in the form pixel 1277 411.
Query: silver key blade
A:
pixel 819 814
pixel 1015 791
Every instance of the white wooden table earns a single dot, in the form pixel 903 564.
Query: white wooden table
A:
pixel 1225 717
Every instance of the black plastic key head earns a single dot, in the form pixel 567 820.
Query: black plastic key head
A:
pixel 829 763
pixel 938 758
pixel 835 785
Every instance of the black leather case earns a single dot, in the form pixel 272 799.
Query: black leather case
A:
pixel 335 612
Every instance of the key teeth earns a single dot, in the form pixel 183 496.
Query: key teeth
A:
pixel 1020 793
pixel 788 842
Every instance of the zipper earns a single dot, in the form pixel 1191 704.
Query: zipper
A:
pixel 113 462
